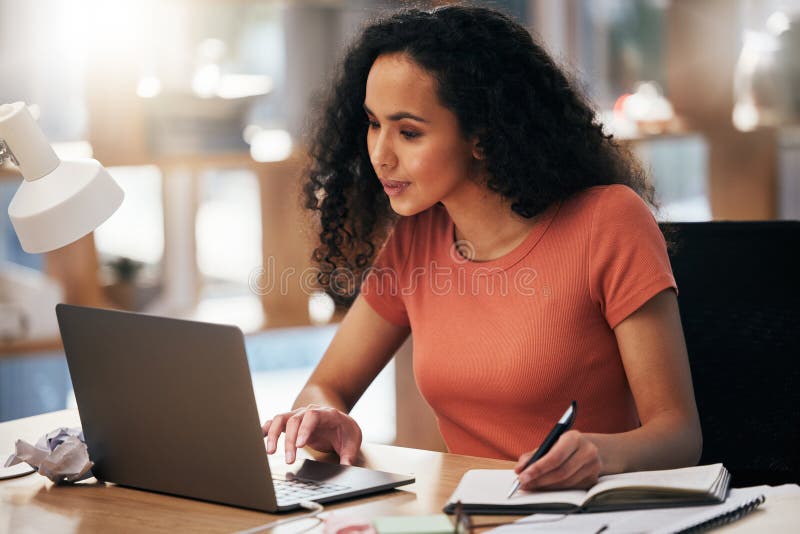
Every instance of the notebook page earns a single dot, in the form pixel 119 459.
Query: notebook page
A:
pixel 491 486
pixel 697 479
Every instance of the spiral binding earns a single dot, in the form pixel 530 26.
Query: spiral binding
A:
pixel 727 517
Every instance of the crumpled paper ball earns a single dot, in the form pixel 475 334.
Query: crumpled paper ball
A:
pixel 60 455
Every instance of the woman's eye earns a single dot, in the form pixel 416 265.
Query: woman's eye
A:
pixel 373 124
pixel 409 135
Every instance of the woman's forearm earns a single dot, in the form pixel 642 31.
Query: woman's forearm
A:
pixel 665 442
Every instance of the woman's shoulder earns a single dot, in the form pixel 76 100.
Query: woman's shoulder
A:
pixel 607 193
pixel 613 201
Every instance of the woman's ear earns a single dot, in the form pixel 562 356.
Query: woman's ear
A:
pixel 477 149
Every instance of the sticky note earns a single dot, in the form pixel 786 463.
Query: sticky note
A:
pixel 414 524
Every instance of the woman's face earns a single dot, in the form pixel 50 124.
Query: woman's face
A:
pixel 415 144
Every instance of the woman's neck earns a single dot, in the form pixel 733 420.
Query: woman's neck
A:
pixel 484 221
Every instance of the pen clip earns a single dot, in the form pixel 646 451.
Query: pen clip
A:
pixel 569 416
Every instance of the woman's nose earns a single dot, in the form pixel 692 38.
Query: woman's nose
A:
pixel 383 155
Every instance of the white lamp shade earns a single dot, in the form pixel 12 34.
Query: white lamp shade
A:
pixel 64 205
pixel 59 201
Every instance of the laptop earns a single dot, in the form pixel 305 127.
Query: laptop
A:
pixel 167 405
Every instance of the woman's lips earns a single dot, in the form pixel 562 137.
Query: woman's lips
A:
pixel 393 188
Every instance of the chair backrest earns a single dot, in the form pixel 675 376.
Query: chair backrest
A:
pixel 739 297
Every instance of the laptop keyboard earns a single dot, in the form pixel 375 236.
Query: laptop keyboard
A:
pixel 302 489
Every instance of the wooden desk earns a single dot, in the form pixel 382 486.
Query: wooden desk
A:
pixel 33 504
pixel 39 506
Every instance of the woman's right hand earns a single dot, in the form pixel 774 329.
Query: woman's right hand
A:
pixel 322 428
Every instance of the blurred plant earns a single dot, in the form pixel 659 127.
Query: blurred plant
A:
pixel 125 269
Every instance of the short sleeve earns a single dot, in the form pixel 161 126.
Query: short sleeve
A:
pixel 628 260
pixel 381 284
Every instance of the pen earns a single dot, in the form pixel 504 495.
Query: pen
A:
pixel 562 426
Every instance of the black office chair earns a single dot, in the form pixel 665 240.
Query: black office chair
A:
pixel 739 296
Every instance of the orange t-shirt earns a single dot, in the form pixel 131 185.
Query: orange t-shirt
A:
pixel 501 347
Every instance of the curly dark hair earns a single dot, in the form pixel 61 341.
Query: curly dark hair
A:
pixel 540 139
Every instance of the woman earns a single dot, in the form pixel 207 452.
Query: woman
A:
pixel 521 254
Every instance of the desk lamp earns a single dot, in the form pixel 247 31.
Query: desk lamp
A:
pixel 59 201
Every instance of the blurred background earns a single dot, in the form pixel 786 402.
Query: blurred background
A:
pixel 200 110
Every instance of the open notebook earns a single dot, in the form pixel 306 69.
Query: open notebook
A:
pixel 484 491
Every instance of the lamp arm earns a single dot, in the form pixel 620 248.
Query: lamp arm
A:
pixel 5 153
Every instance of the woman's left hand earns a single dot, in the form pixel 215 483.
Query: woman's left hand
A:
pixel 573 462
